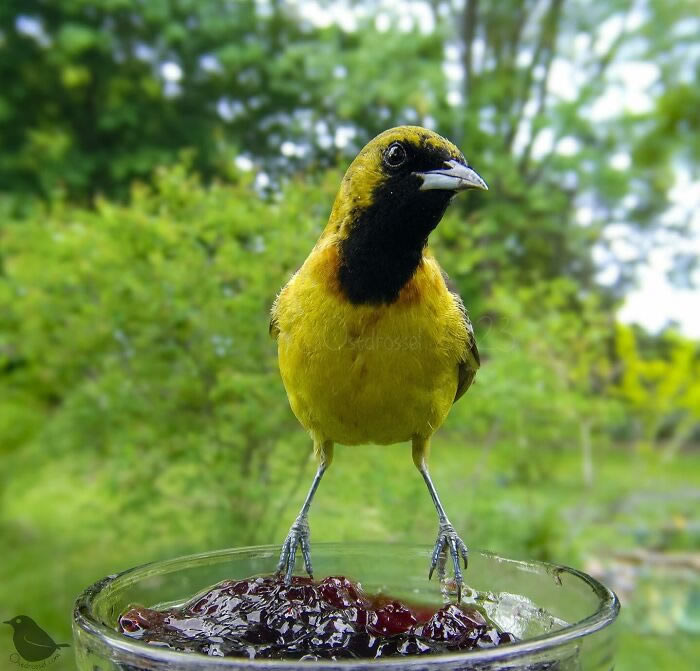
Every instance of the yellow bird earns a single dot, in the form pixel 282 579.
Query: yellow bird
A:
pixel 374 345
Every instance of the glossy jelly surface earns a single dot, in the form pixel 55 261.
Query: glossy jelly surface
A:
pixel 331 619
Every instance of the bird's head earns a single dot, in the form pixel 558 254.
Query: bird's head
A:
pixel 19 621
pixel 402 182
pixel 392 196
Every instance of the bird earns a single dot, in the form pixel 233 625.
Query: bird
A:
pixel 374 343
pixel 31 641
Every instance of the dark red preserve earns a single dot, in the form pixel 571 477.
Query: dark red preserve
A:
pixel 330 619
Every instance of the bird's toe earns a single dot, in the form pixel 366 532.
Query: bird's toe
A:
pixel 298 537
pixel 449 542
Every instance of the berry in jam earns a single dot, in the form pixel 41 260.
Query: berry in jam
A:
pixel 331 619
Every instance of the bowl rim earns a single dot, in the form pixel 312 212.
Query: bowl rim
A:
pixel 605 615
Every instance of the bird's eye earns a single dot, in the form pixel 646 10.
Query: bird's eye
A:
pixel 395 155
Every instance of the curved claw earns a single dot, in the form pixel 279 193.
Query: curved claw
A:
pixel 464 551
pixel 448 538
pixel 284 556
pixel 306 554
pixel 298 536
pixel 439 547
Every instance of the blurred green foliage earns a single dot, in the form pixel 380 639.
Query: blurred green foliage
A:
pixel 661 390
pixel 141 411
pixel 92 107
pixel 127 327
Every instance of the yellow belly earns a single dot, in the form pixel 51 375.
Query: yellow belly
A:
pixel 369 374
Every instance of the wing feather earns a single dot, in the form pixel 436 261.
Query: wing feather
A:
pixel 470 361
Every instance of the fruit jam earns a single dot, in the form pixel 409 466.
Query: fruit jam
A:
pixel 330 619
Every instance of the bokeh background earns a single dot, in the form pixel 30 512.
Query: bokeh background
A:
pixel 166 165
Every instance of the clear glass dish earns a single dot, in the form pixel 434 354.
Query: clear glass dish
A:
pixel 561 615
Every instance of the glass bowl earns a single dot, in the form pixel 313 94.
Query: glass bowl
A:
pixel 561 615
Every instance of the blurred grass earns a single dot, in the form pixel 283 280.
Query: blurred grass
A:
pixel 57 521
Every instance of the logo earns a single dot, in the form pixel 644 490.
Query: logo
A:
pixel 337 340
pixel 35 648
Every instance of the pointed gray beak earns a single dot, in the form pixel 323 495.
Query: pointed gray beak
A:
pixel 455 176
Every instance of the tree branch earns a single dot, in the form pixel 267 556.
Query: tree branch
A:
pixel 469 18
pixel 548 39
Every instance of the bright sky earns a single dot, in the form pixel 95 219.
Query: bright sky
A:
pixel 656 301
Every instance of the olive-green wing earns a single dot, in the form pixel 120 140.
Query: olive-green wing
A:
pixel 470 360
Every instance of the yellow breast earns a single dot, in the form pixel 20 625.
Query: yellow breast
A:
pixel 368 373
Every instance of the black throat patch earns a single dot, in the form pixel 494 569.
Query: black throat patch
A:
pixel 385 243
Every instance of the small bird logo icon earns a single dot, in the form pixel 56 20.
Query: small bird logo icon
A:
pixel 31 641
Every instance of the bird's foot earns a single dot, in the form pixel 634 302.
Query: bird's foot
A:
pixel 448 539
pixel 298 536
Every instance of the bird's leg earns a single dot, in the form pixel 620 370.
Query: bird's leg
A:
pixel 447 537
pixel 299 535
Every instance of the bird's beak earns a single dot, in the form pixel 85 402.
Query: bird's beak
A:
pixel 455 176
pixel 7 622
